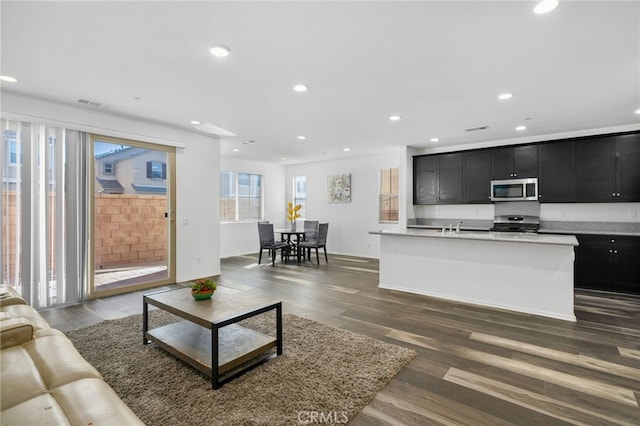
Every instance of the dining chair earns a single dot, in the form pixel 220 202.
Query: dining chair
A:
pixel 268 242
pixel 310 234
pixel 319 242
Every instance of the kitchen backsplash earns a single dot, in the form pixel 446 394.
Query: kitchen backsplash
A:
pixel 578 212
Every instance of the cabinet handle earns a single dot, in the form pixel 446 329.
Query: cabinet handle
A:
pixel 618 194
pixel 610 251
pixel 614 194
pixel 613 241
pixel 615 252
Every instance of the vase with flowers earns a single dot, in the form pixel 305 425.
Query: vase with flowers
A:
pixel 293 212
pixel 203 289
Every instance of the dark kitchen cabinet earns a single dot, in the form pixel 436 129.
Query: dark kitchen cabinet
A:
pixel 449 178
pixel 515 162
pixel 557 177
pixel 608 262
pixel 595 170
pixel 437 179
pixel 477 176
pixel 425 180
pixel 627 152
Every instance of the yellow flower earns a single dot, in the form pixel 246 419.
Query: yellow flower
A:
pixel 292 212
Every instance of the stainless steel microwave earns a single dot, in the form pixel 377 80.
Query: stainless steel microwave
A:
pixel 514 190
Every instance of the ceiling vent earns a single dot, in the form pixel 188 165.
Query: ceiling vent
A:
pixel 86 102
pixel 475 129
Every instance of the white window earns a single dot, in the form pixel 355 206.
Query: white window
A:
pixel 240 196
pixel 107 168
pixel 300 194
pixel 389 189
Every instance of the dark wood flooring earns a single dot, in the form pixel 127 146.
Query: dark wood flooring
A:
pixel 475 366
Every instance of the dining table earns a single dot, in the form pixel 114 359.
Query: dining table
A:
pixel 293 238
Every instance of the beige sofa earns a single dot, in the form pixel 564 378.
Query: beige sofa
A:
pixel 43 378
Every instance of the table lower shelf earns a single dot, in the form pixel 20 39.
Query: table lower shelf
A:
pixel 192 344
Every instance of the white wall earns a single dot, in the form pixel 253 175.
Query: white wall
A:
pixel 197 162
pixel 349 223
pixel 238 238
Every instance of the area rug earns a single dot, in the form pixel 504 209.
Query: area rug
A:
pixel 325 375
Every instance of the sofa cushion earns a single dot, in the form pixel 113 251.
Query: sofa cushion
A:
pixel 93 402
pixel 24 311
pixel 40 364
pixel 21 379
pixel 43 410
pixel 9 296
pixel 15 331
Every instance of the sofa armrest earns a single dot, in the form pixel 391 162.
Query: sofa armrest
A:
pixel 9 296
pixel 15 331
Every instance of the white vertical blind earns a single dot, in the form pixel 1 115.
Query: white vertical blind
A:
pixel 43 203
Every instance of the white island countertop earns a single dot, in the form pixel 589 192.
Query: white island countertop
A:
pixel 510 237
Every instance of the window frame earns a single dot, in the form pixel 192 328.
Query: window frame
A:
pixel 235 195
pixel 296 199
pixel 388 197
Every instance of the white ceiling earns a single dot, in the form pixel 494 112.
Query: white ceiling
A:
pixel 439 65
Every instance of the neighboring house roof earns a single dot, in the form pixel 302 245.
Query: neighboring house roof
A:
pixel 149 189
pixel 121 153
pixel 111 186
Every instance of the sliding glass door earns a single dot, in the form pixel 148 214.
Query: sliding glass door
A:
pixel 133 204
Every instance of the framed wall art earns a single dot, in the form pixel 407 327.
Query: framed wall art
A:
pixel 339 188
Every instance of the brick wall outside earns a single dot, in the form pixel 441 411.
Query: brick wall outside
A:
pixel 9 233
pixel 129 230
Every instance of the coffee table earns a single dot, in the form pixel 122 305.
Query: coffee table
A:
pixel 209 338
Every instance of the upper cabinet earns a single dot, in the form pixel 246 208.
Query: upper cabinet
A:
pixel 592 169
pixel 515 162
pixel 425 181
pixel 557 177
pixel 608 168
pixel 627 151
pixel 595 170
pixel 476 167
pixel 437 179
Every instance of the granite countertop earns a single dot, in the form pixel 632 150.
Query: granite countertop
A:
pixel 510 237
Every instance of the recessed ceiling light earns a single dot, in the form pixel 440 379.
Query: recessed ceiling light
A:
pixel 638 111
pixel 505 96
pixel 8 79
pixel 521 128
pixel 235 150
pixel 394 118
pixel 283 158
pixel 545 6
pixel 302 137
pixel 219 51
pixel 434 140
pixel 347 149
pixel 194 122
pixel 300 87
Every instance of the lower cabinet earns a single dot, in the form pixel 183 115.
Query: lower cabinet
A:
pixel 608 262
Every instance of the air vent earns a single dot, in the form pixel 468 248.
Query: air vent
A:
pixel 86 102
pixel 475 129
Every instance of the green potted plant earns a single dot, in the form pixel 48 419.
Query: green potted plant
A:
pixel 203 288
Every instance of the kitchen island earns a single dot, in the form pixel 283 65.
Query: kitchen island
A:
pixel 530 273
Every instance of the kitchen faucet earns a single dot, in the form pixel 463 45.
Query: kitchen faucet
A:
pixel 458 227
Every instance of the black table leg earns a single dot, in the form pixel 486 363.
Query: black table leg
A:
pixel 279 328
pixel 215 377
pixel 145 321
